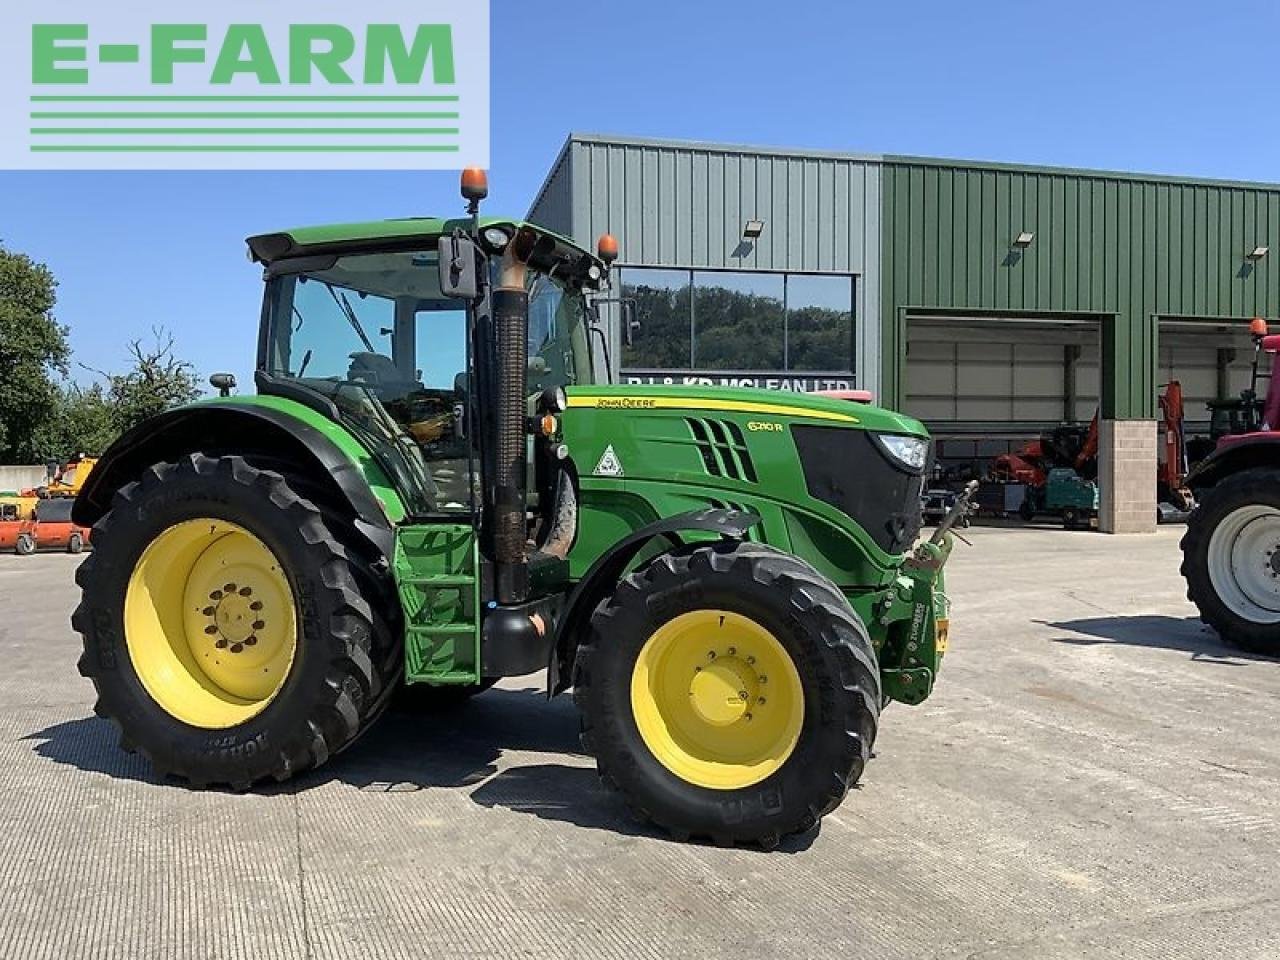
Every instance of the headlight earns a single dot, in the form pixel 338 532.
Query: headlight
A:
pixel 905 453
pixel 495 238
pixel 553 400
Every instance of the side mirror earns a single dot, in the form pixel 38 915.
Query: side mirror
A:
pixel 224 383
pixel 630 322
pixel 458 267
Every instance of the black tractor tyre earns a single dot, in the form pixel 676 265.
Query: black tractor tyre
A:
pixel 827 644
pixel 75 543
pixel 1259 486
pixel 337 684
pixel 25 545
pixel 427 698
pixel 1026 509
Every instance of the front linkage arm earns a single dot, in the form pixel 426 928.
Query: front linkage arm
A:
pixel 911 664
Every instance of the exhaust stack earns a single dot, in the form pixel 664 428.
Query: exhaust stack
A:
pixel 509 483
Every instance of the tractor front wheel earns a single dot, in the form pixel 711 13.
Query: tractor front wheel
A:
pixel 1231 560
pixel 730 693
pixel 225 628
pixel 25 546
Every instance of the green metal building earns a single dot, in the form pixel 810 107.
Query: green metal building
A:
pixel 990 300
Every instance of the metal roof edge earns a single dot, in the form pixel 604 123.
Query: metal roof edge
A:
pixel 909 160
pixel 1131 177
pixel 709 146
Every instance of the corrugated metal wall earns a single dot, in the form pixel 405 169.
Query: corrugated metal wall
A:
pixel 1130 247
pixel 553 207
pixel 684 205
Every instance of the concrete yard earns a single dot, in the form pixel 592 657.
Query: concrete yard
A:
pixel 1095 776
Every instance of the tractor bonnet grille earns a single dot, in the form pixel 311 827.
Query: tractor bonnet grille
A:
pixel 723 448
pixel 844 468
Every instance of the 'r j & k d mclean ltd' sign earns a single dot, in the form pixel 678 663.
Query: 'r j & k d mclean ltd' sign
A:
pixel 765 380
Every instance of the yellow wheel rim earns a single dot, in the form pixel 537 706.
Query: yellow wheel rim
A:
pixel 210 623
pixel 717 699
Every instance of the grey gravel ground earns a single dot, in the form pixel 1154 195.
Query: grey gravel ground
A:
pixel 1096 776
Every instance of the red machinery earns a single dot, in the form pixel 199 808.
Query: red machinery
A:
pixel 1231 552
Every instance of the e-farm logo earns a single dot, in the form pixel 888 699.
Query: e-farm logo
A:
pixel 141 84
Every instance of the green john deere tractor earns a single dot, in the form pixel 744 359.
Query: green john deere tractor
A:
pixel 430 490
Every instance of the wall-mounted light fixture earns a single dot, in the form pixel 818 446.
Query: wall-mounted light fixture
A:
pixel 1024 239
pixel 752 229
pixel 1258 253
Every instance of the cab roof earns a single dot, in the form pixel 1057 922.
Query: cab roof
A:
pixel 552 251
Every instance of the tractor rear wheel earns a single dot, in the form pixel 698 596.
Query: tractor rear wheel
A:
pixel 226 627
pixel 729 692
pixel 1231 560
pixel 25 546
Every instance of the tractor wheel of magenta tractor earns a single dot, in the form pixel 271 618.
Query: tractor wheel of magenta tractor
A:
pixel 226 627
pixel 729 692
pixel 1231 560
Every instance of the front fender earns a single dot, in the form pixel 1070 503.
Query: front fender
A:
pixel 1234 455
pixel 242 428
pixel 609 567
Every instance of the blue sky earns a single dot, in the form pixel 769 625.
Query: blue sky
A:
pixel 1176 87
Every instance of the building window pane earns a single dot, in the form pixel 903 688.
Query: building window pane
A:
pixel 664 309
pixel 738 321
pixel 819 323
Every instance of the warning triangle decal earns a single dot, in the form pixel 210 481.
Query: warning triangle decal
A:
pixel 609 465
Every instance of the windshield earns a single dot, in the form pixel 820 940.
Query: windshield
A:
pixel 372 333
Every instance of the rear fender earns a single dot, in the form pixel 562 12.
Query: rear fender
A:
pixel 244 430
pixel 608 569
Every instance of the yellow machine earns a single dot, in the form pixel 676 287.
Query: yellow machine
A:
pixel 25 504
pixel 68 479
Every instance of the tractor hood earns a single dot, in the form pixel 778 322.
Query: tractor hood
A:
pixel 770 405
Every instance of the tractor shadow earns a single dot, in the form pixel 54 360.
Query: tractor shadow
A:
pixel 1185 634
pixel 410 751
pixel 403 752
pixel 91 744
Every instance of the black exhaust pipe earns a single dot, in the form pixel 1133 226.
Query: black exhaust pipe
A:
pixel 511 365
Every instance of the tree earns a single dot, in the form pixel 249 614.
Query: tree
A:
pixel 157 381
pixel 33 350
pixel 83 420
pixel 87 419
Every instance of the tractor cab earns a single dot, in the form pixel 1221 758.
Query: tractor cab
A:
pixel 1250 413
pixel 366 326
